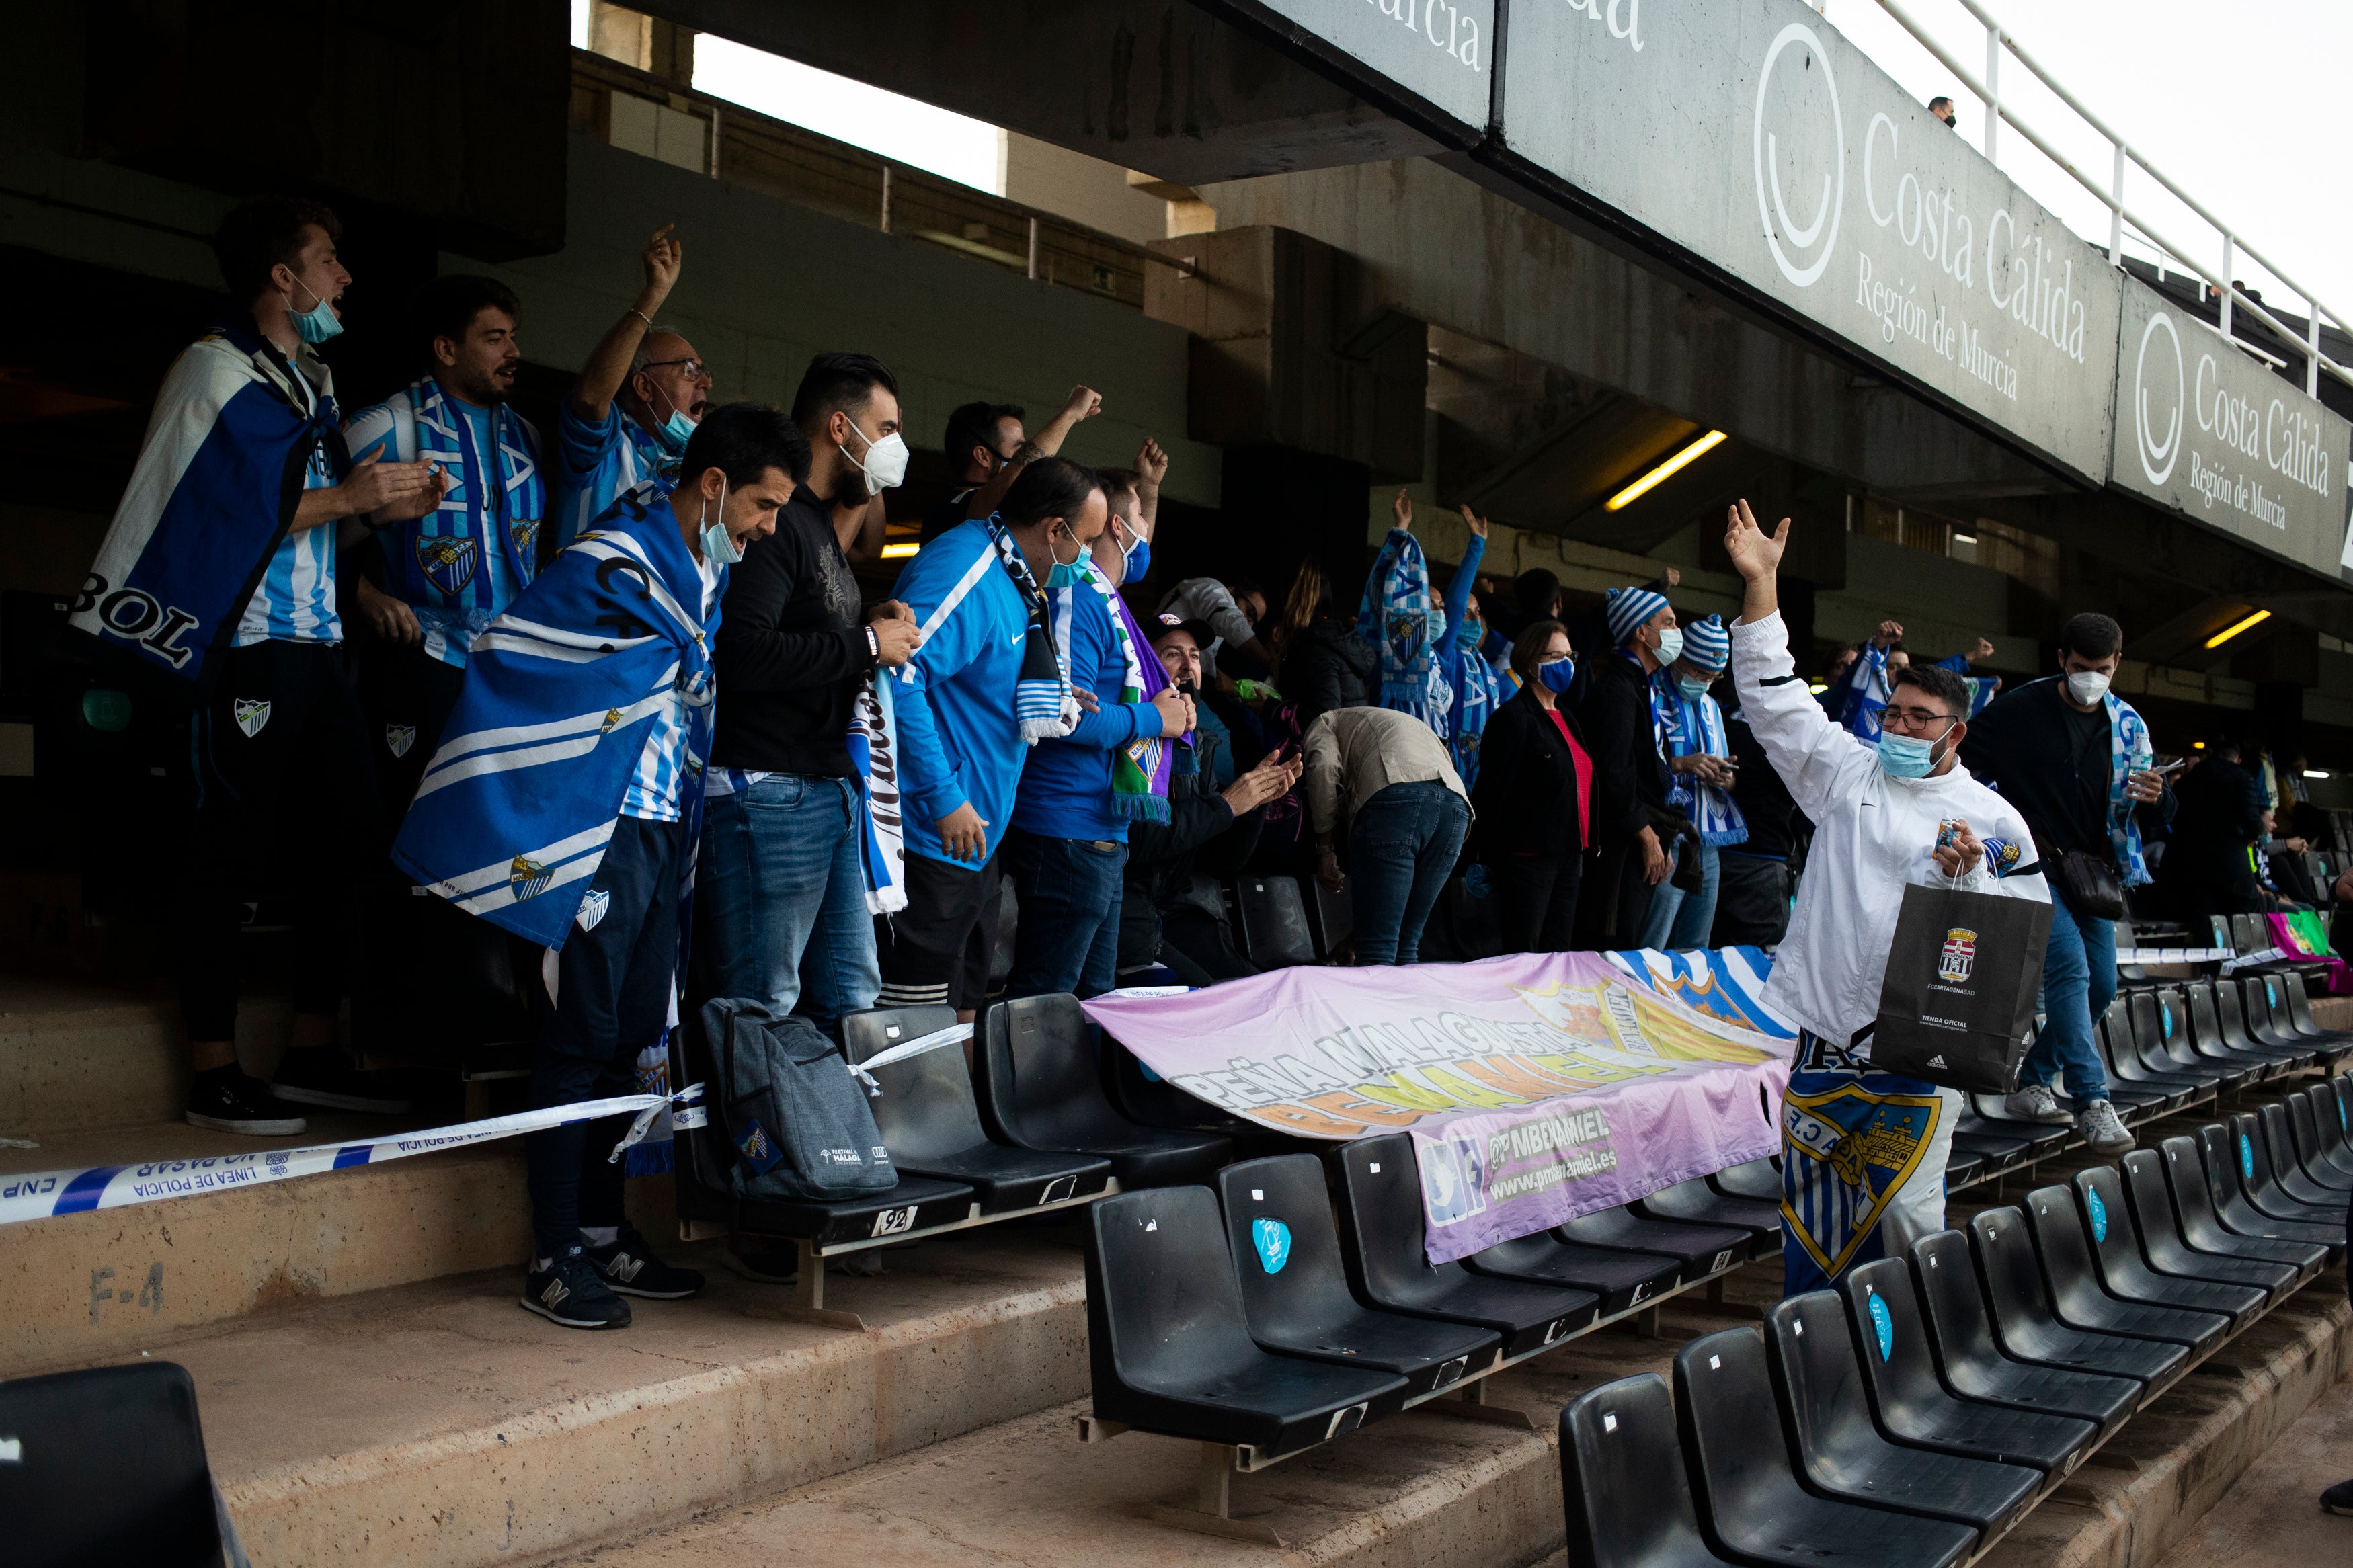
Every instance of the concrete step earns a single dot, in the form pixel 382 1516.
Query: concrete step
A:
pixel 75 1054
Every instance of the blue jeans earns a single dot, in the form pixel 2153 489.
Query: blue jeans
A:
pixel 1402 846
pixel 1066 937
pixel 781 887
pixel 2079 981
pixel 1679 920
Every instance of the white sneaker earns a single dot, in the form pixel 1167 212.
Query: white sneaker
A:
pixel 2034 1102
pixel 2098 1126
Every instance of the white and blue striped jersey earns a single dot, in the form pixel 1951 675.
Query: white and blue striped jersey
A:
pixel 598 463
pixel 677 745
pixel 372 431
pixel 295 600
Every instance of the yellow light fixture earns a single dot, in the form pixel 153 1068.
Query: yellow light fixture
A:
pixel 2197 745
pixel 2235 627
pixel 1665 471
pixel 899 552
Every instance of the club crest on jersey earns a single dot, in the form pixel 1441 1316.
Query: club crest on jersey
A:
pixel 612 718
pixel 250 715
pixel 1961 954
pixel 528 877
pixel 447 560
pixel 524 531
pixel 592 908
pixel 398 737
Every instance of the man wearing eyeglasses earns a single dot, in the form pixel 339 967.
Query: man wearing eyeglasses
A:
pixel 1863 1151
pixel 638 400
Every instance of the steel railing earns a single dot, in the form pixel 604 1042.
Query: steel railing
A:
pixel 1999 39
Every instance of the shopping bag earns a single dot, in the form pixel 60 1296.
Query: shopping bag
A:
pixel 1958 999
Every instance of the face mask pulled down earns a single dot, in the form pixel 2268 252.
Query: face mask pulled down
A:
pixel 718 545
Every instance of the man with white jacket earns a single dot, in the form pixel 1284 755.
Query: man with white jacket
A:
pixel 1863 1153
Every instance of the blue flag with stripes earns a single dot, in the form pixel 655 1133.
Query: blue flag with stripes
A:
pixel 514 812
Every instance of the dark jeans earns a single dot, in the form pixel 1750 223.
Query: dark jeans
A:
pixel 1752 900
pixel 1402 846
pixel 1200 947
pixel 1067 937
pixel 1615 899
pixel 612 1001
pixel 1535 898
pixel 780 892
pixel 281 764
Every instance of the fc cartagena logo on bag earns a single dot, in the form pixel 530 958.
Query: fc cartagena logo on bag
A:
pixel 1961 954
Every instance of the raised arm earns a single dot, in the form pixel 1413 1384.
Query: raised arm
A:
pixel 1820 764
pixel 608 361
pixel 1084 403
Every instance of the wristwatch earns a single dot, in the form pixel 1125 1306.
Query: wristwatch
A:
pixel 873 646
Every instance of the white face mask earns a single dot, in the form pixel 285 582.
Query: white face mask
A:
pixel 2087 686
pixel 718 545
pixel 886 460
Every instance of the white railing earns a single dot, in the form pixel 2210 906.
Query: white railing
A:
pixel 1999 39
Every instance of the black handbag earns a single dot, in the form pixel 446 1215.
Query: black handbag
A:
pixel 1957 1002
pixel 2089 882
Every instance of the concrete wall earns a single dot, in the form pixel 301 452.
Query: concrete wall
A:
pixel 1072 185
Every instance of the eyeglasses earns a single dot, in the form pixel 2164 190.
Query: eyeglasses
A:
pixel 695 369
pixel 1916 722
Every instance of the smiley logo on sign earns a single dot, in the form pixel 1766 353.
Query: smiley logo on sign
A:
pixel 1809 115
pixel 2158 398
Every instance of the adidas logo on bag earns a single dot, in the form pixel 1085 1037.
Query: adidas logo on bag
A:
pixel 1937 1060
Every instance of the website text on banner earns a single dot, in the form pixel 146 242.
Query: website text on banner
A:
pixel 1537 1086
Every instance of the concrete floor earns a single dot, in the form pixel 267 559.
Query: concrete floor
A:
pixel 2272 1517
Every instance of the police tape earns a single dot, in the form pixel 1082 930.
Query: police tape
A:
pixel 42 1194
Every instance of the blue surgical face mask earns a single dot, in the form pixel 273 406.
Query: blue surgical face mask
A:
pixel 1906 756
pixel 1065 574
pixel 1694 689
pixel 676 431
pixel 317 324
pixel 1558 676
pixel 1671 645
pixel 717 543
pixel 1138 559
pixel 1470 634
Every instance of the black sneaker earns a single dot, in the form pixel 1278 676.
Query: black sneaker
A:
pixel 631 1267
pixel 236 1103
pixel 323 1076
pixel 572 1291
pixel 2338 1498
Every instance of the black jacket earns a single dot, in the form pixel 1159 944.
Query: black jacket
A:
pixel 1630 781
pixel 2028 745
pixel 1202 834
pixel 791 652
pixel 2221 815
pixel 1525 801
pixel 1329 667
pixel 1763 799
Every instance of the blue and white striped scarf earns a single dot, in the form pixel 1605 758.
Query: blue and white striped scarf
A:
pixel 1044 707
pixel 2128 750
pixel 515 810
pixel 875 752
pixel 1867 696
pixel 1696 728
pixel 1475 698
pixel 1402 622
pixel 443 567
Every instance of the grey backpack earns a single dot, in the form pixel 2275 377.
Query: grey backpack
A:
pixel 793 1115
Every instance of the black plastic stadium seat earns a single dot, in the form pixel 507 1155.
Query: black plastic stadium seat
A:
pixel 2158 1037
pixel 2299 1013
pixel 2261 991
pixel 1381 1242
pixel 2124 1265
pixel 931 1127
pixel 1962 1166
pixel 1984 1116
pixel 2185 1177
pixel 2293 1159
pixel 1041 1088
pixel 2321 1128
pixel 1622 1482
pixel 1170 1352
pixel 1296 1291
pixel 1914 1409
pixel 2174 1047
pixel 1974 1366
pixel 1757 1179
pixel 2210 1038
pixel 2231 1019
pixel 1330 916
pixel 1696 1203
pixel 2164 1238
pixel 1274 924
pixel 1622 1279
pixel 1752 1507
pixel 2240 1178
pixel 1826 1416
pixel 109 1467
pixel 2076 1295
pixel 2025 1325
pixel 1702 1249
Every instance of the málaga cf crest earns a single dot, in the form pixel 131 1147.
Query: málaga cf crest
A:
pixel 447 563
pixel 528 877
pixel 1961 954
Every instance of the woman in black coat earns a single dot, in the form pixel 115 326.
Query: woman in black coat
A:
pixel 1533 800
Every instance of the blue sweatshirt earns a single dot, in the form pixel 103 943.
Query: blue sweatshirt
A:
pixel 1066 785
pixel 958 739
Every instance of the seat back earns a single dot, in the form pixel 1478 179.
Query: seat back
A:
pixel 1040 1082
pixel 2259 990
pixel 2195 1195
pixel 2231 1018
pixel 2299 1008
pixel 2172 1038
pixel 2291 1146
pixel 2341 1088
pixel 1891 1337
pixel 2230 1169
pixel 1164 1309
pixel 2141 1178
pixel 2065 1251
pixel 1825 1410
pixel 108 1466
pixel 926 1109
pixel 1285 1246
pixel 2246 936
pixel 2115 1239
pixel 1622 1480
pixel 1380 1223
pixel 2261 1139
pixel 1332 916
pixel 2327 1116
pixel 2015 1297
pixel 1734 1435
pixel 1952 1299
pixel 2112 1037
pixel 1273 921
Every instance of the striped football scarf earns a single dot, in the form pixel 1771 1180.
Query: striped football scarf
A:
pixel 1043 706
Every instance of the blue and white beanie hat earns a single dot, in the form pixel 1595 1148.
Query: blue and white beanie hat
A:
pixel 1707 645
pixel 1627 608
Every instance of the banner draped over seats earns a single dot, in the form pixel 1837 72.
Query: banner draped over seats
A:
pixel 1724 983
pixel 1537 1086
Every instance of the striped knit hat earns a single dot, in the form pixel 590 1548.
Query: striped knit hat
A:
pixel 1627 608
pixel 1707 645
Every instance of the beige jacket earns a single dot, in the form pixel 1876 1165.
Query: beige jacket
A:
pixel 1353 753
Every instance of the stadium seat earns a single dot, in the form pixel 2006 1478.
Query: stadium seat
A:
pixel 1041 1088
pixel 108 1464
pixel 2025 1325
pixel 2239 1025
pixel 1168 1345
pixel 2134 1098
pixel 2165 1235
pixel 1622 1279
pixel 2239 1173
pixel 2193 1191
pixel 2125 1271
pixel 1964 1166
pixel 1757 1179
pixel 932 1126
pixel 1914 1407
pixel 1973 1364
pixel 1622 1482
pixel 2155 1037
pixel 1273 921
pixel 1696 1203
pixel 2261 992
pixel 2292 1160
pixel 1988 1120
pixel 1382 1244
pixel 1331 917
pixel 1752 1505
pixel 2174 1047
pixel 1295 1296
pixel 1826 1418
pixel 2211 1036
pixel 2299 1013
pixel 2077 1297
pixel 2313 1115
pixel 1702 1249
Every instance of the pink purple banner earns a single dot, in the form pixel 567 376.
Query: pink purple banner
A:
pixel 1537 1086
